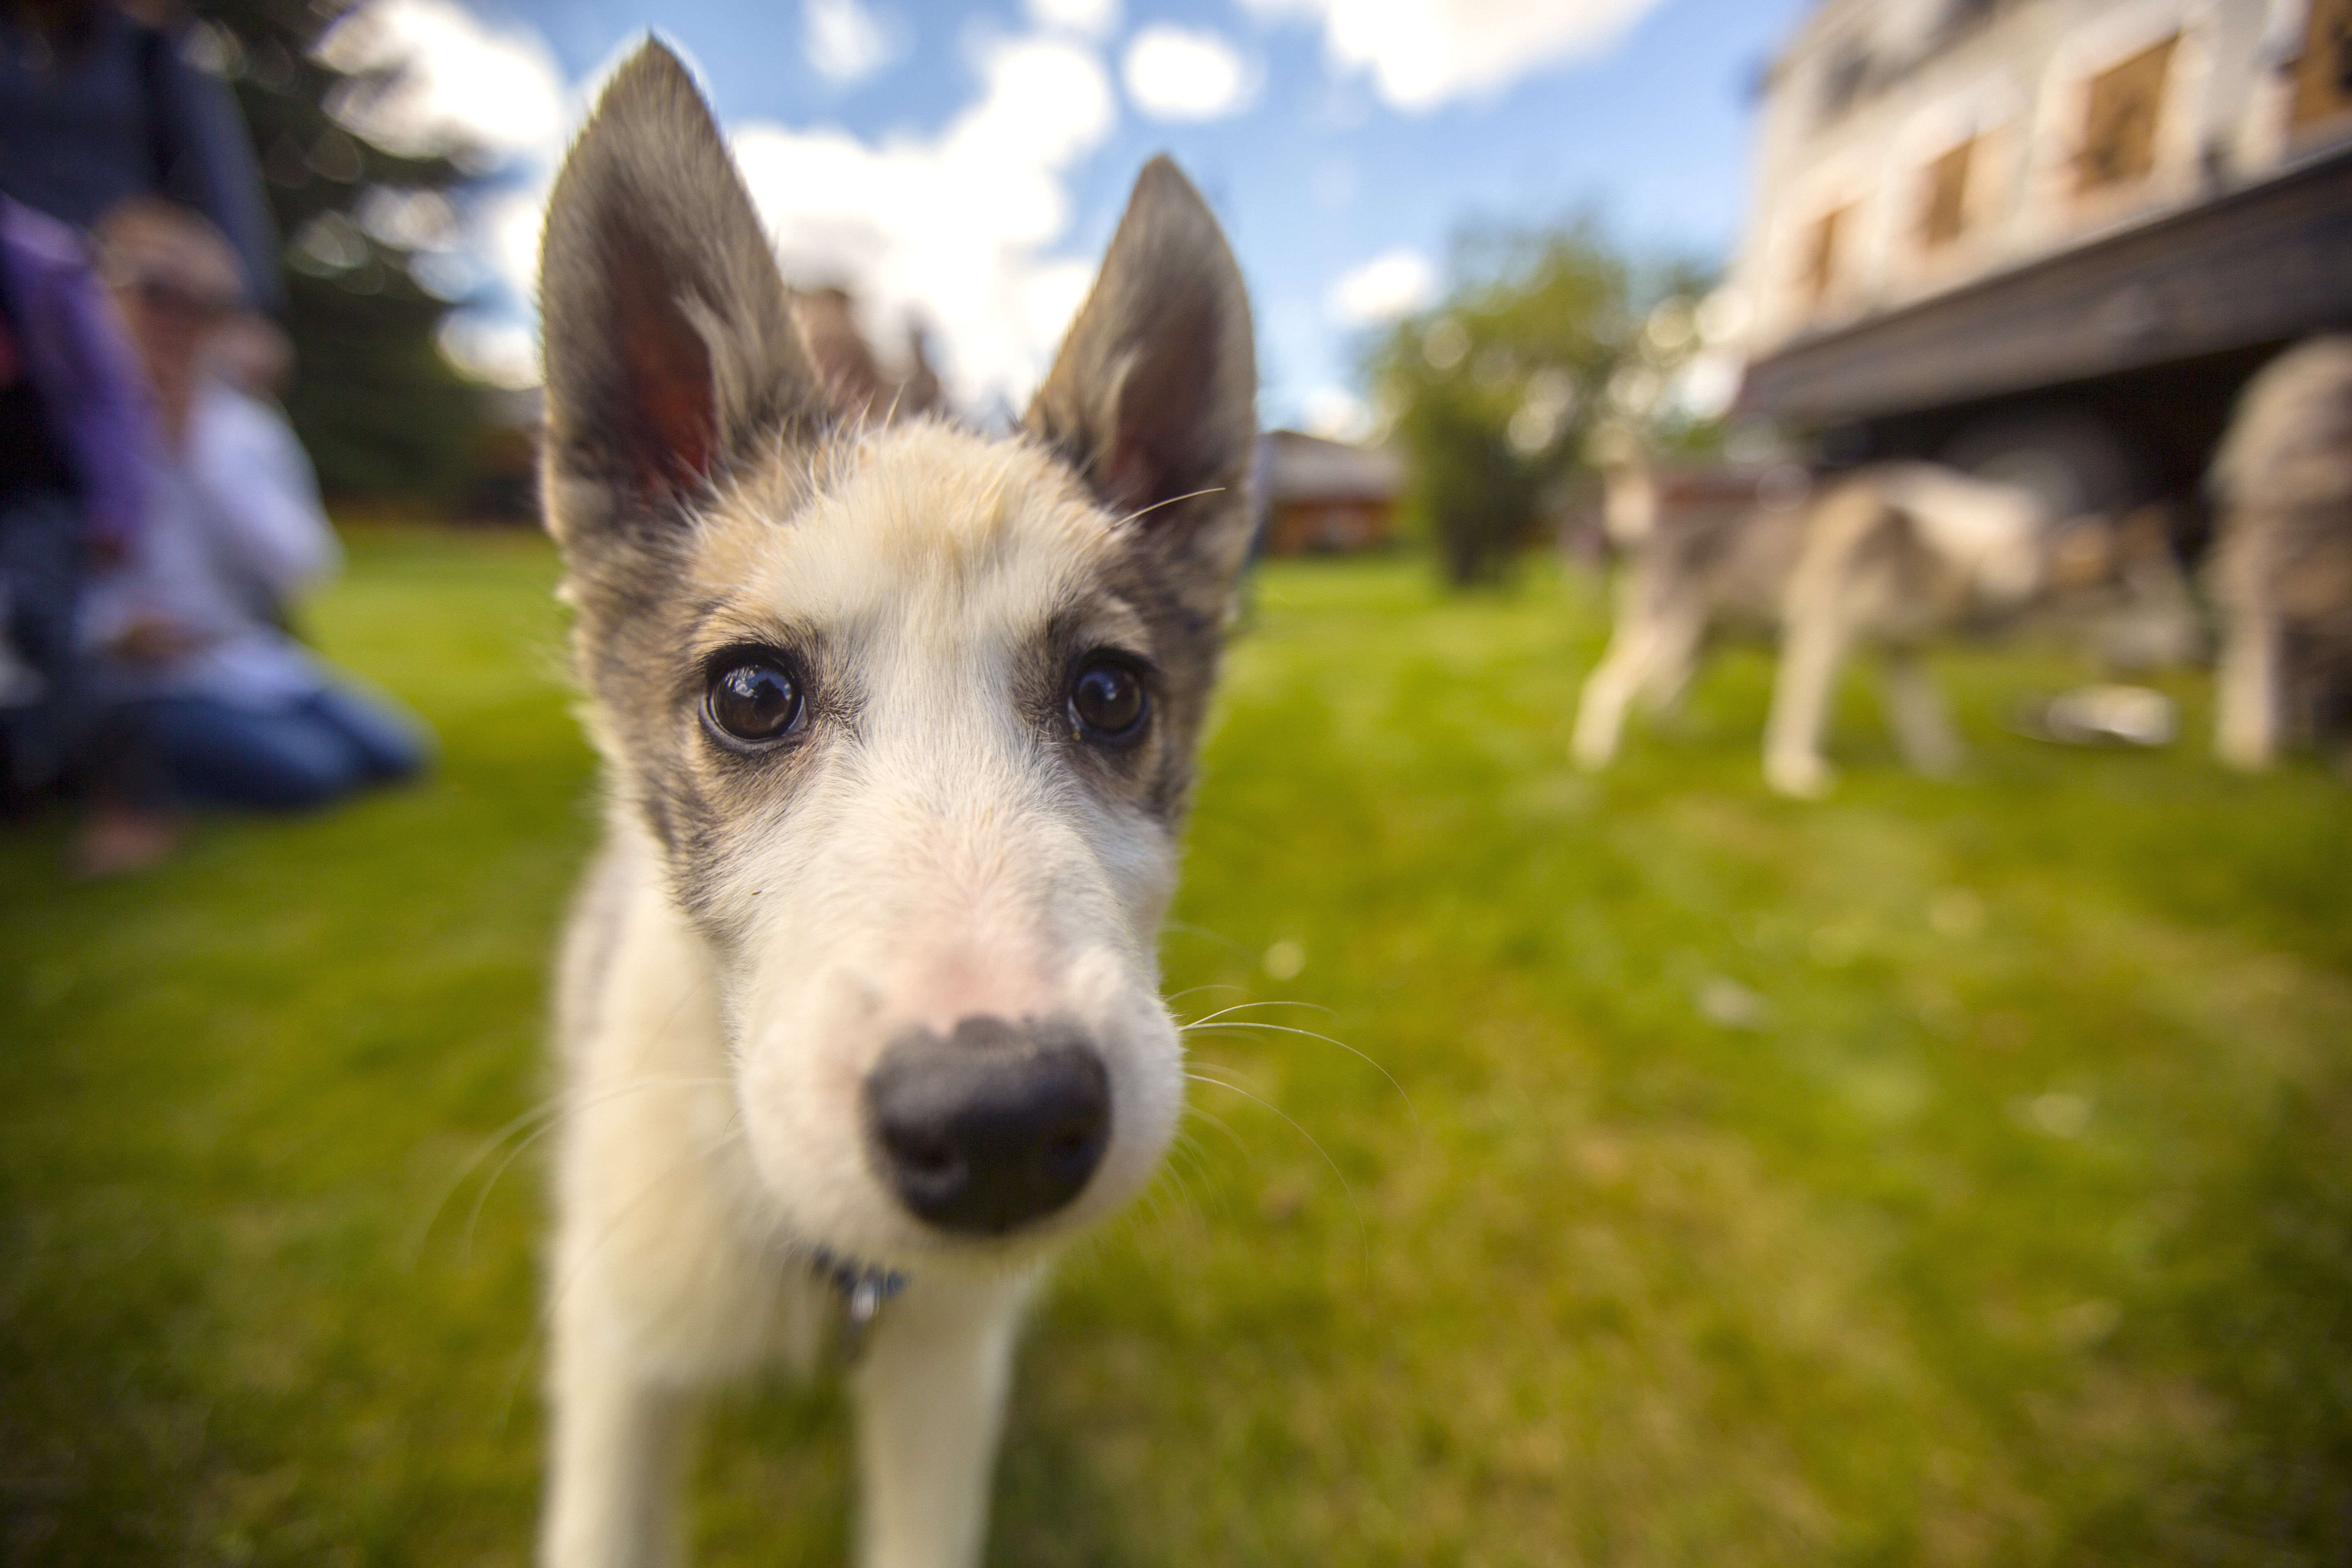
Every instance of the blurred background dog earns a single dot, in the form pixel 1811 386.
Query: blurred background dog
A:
pixel 2282 570
pixel 1889 558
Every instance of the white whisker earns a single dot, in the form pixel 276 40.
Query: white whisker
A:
pixel 727 1136
pixel 547 1113
pixel 1309 1034
pixel 1196 990
pixel 1249 1006
pixel 466 1248
pixel 1171 501
pixel 1363 1234
pixel 1219 1122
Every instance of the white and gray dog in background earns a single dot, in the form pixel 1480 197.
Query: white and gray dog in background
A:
pixel 860 1003
pixel 2281 568
pixel 1889 557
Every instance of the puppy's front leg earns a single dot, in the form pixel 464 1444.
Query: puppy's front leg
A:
pixel 619 1449
pixel 931 1397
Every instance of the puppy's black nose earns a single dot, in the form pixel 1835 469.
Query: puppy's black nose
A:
pixel 990 1128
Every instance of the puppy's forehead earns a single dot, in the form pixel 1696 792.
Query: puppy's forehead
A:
pixel 918 521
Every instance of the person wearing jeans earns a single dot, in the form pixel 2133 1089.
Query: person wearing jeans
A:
pixel 221 706
pixel 306 753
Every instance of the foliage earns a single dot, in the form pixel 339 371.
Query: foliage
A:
pixel 1946 1174
pixel 1494 390
pixel 381 411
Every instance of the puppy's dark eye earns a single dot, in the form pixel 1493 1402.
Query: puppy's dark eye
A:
pixel 755 698
pixel 1108 701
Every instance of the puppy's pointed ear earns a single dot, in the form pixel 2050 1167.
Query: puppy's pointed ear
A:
pixel 1153 397
pixel 669 340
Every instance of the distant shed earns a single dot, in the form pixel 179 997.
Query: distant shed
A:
pixel 1327 498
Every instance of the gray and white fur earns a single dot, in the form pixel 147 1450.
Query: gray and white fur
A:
pixel 874 994
pixel 2281 566
pixel 1888 557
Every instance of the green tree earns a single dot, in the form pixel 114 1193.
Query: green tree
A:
pixel 382 414
pixel 1494 391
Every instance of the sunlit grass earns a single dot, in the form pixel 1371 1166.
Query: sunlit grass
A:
pixel 1948 1173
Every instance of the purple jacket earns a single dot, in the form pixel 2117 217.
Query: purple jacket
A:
pixel 80 361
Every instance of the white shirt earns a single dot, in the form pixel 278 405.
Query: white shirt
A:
pixel 233 525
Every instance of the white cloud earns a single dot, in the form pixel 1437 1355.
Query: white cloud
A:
pixel 1088 18
pixel 957 228
pixel 459 83
pixel 1176 73
pixel 494 342
pixel 1423 53
pixel 954 228
pixel 1049 300
pixel 843 40
pixel 1392 284
pixel 454 84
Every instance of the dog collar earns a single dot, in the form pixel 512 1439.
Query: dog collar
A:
pixel 864 1290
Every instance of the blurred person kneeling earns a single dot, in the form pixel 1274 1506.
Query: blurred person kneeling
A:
pixel 223 707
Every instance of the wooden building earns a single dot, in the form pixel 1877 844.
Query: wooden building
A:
pixel 2046 238
pixel 1326 497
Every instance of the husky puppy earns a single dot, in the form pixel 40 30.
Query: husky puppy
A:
pixel 2282 570
pixel 860 1002
pixel 1889 557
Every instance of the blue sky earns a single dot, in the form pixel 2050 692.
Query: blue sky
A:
pixel 970 161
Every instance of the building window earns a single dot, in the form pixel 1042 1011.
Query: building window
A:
pixel 2322 75
pixel 1821 253
pixel 1944 212
pixel 2119 129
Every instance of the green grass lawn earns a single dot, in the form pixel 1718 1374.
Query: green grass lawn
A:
pixel 1951 1172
